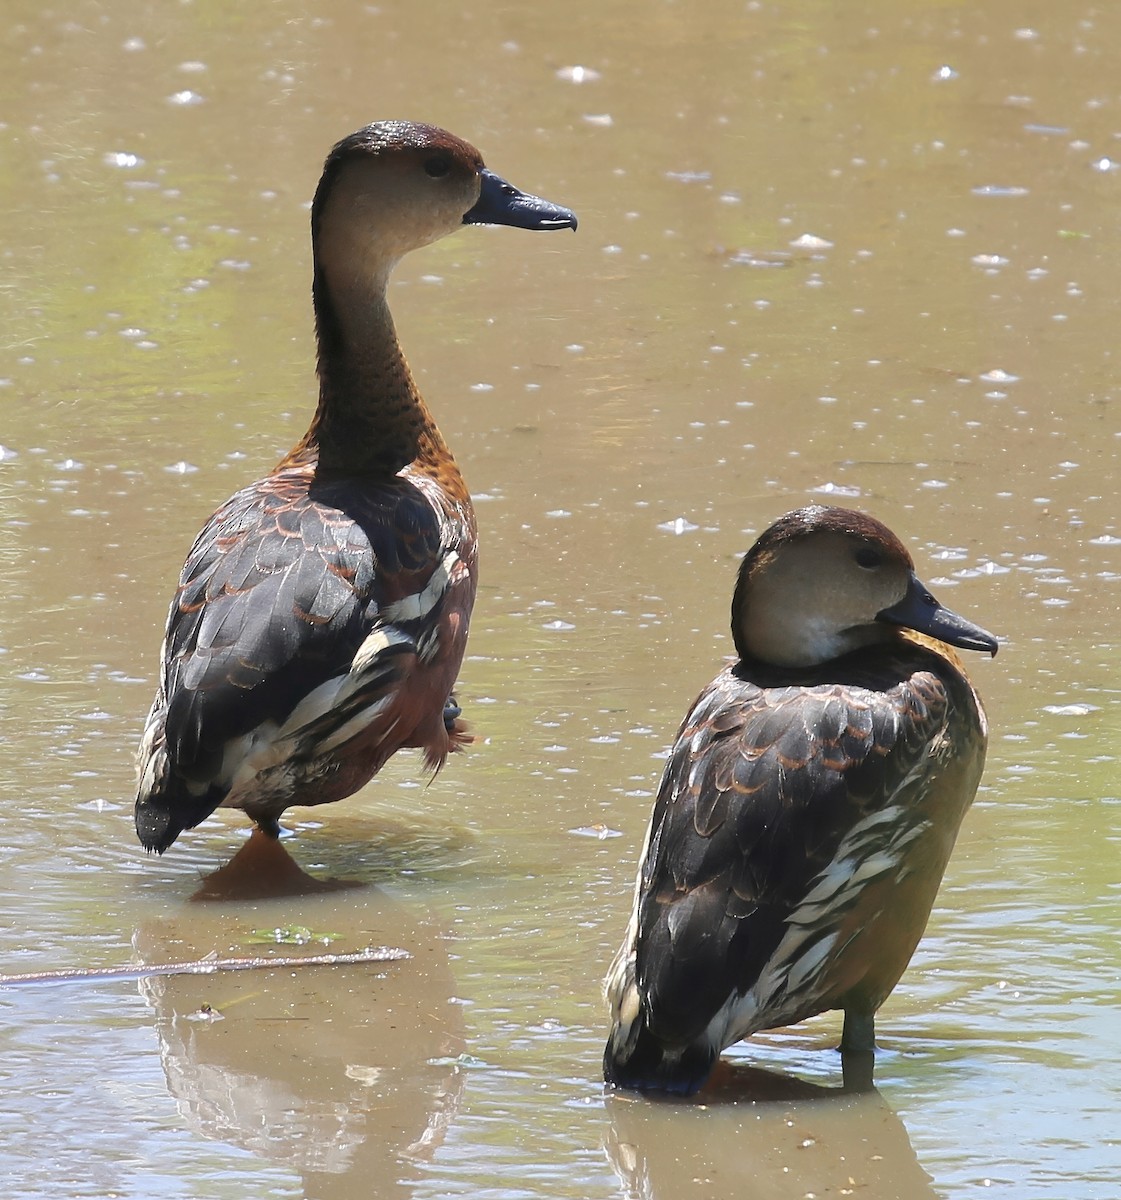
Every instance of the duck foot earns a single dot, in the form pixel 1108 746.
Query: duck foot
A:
pixel 263 869
pixel 459 732
pixel 269 826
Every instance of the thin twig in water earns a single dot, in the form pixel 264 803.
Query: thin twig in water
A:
pixel 206 966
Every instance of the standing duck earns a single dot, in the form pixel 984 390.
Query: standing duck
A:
pixel 807 810
pixel 321 615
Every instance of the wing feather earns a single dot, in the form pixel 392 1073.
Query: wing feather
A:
pixel 758 792
pixel 278 593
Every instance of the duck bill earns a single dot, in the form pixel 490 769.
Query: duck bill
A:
pixel 918 610
pixel 500 203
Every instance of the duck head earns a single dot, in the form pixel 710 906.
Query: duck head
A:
pixel 395 186
pixel 821 582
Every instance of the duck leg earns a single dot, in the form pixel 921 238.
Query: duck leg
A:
pixel 859 1033
pixel 452 713
pixel 858 1050
pixel 270 827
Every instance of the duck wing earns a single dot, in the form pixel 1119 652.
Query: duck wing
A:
pixel 771 805
pixel 299 605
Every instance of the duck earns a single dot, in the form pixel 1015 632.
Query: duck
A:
pixel 321 615
pixel 807 809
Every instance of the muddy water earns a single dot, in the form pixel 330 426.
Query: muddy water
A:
pixel 866 252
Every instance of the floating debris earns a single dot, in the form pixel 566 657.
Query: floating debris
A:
pixel 999 189
pixel 205 1014
pixel 122 158
pixel 579 74
pixel 810 241
pixel 291 935
pixel 205 966
pixel 755 258
pixel 836 489
pixel 598 831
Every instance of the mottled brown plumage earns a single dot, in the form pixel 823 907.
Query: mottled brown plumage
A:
pixel 321 615
pixel 806 813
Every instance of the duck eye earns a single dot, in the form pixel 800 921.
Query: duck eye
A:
pixel 437 166
pixel 868 559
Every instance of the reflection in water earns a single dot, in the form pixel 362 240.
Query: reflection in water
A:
pixel 791 1138
pixel 353 850
pixel 343 1075
pixel 263 869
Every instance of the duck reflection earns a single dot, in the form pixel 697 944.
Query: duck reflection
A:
pixel 262 869
pixel 344 1074
pixel 356 852
pixel 768 1136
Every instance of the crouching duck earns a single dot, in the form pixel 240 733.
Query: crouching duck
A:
pixel 321 616
pixel 807 810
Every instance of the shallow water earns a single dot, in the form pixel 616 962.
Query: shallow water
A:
pixel 866 252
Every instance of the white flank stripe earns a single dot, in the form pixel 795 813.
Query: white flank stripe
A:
pixel 873 865
pixel 885 816
pixel 355 725
pixel 314 705
pixel 420 604
pixel 377 642
pixel 810 962
pixel 245 757
pixel 830 883
pixel 429 645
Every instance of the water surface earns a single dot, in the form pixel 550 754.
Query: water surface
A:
pixel 865 253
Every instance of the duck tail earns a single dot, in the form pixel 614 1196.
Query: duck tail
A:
pixel 640 1062
pixel 165 803
pixel 156 826
pixel 162 817
pixel 636 1058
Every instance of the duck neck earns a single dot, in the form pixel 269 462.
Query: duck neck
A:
pixel 371 419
